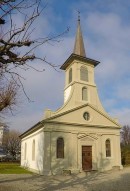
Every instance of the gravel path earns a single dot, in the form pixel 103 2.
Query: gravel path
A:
pixel 107 181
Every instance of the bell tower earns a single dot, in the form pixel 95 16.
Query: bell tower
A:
pixel 79 75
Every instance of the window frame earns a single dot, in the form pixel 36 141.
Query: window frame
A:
pixel 84 98
pixel 60 148
pixel 88 116
pixel 70 76
pixel 108 148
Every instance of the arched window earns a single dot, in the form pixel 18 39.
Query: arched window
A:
pixel 60 148
pixel 33 150
pixel 108 148
pixel 70 75
pixel 25 151
pixel 83 73
pixel 84 94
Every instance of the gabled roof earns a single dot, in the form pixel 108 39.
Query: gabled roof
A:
pixel 79 58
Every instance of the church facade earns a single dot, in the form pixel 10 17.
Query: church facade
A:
pixel 80 136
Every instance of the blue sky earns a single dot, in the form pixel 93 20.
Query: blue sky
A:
pixel 106 30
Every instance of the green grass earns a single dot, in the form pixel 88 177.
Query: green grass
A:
pixel 12 168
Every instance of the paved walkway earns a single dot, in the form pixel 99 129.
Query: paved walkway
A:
pixel 107 181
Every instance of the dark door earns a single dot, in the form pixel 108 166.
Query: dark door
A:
pixel 87 157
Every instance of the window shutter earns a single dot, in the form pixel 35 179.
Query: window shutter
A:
pixel 83 73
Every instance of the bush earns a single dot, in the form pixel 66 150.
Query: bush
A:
pixel 125 154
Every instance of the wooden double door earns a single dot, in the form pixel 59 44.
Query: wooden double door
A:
pixel 87 158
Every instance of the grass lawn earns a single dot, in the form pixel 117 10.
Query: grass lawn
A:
pixel 12 168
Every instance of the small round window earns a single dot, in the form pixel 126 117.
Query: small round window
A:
pixel 86 116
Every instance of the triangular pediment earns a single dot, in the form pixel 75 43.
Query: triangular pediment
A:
pixel 75 116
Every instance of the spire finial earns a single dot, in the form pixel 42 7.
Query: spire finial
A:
pixel 78 16
pixel 79 44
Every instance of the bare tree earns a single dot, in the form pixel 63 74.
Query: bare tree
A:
pixel 8 95
pixel 11 142
pixel 125 135
pixel 125 144
pixel 17 46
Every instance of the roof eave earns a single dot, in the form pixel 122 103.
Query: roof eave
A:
pixel 31 130
pixel 80 58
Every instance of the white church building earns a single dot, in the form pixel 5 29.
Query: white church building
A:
pixel 80 136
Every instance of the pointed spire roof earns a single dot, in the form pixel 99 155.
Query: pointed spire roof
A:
pixel 79 51
pixel 79 44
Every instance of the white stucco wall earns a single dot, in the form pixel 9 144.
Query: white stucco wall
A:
pixel 37 164
pixel 59 164
pixel 74 139
pixel 115 159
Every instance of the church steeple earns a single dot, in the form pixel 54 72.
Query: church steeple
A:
pixel 79 51
pixel 79 44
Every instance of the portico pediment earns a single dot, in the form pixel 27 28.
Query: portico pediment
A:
pixel 76 116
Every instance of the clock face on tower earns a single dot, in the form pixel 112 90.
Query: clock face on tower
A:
pixel 67 93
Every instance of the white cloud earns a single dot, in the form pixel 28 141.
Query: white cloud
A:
pixel 107 40
pixel 45 89
pixel 109 103
pixel 124 91
pixel 48 86
pixel 123 115
pixel 24 121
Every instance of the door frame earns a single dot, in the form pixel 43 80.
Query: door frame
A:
pixel 87 141
pixel 91 157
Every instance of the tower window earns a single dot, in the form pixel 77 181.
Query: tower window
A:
pixel 60 148
pixel 83 73
pixel 84 94
pixel 70 75
pixel 108 148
